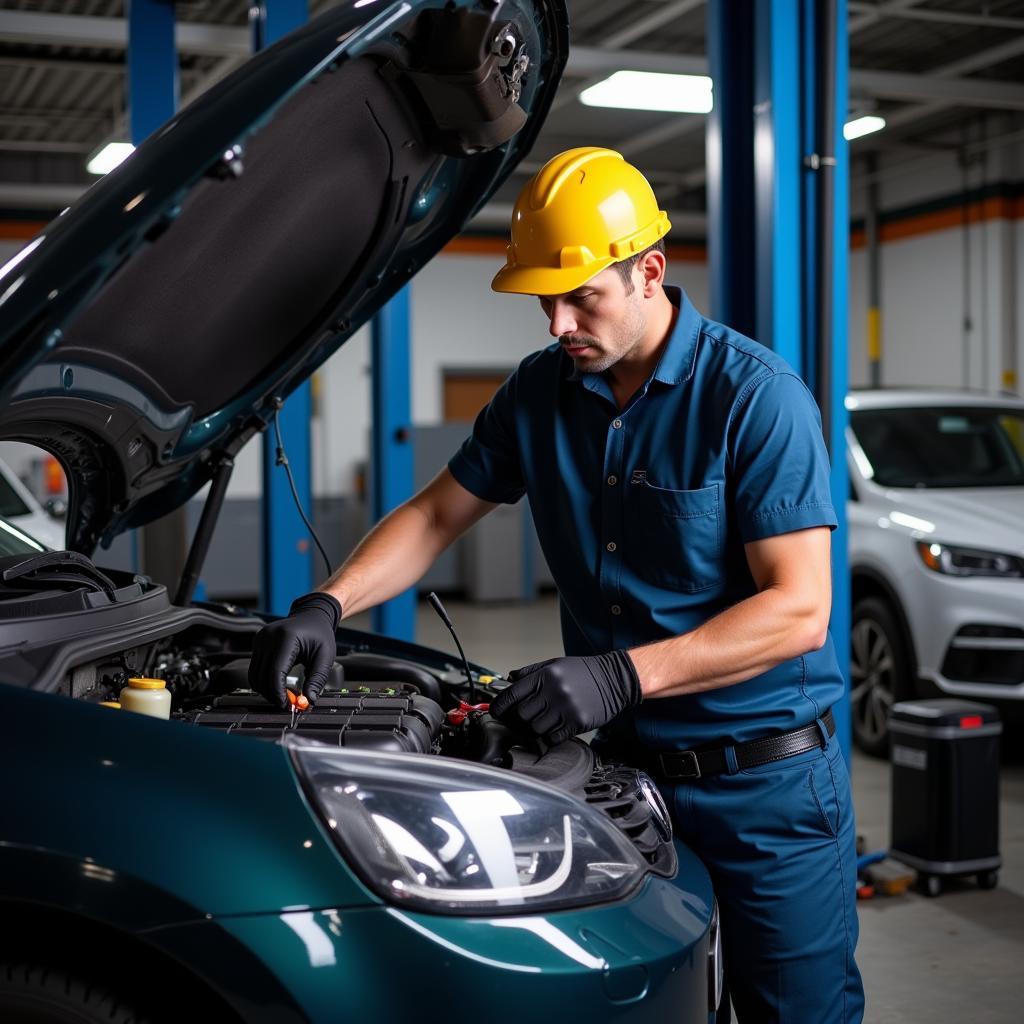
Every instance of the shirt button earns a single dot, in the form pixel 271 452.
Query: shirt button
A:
pixel 610 546
pixel 612 481
pixel 616 610
pixel 616 424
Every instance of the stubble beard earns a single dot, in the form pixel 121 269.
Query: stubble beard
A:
pixel 627 336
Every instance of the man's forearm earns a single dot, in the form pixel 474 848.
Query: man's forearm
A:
pixel 743 641
pixel 388 560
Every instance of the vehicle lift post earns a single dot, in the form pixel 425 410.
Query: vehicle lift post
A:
pixel 777 159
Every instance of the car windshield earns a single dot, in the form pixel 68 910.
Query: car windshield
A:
pixel 15 541
pixel 10 503
pixel 948 446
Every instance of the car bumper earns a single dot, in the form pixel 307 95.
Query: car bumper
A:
pixel 938 610
pixel 643 959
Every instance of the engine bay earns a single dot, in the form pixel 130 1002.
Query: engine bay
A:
pixel 377 702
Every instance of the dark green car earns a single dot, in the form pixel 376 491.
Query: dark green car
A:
pixel 396 855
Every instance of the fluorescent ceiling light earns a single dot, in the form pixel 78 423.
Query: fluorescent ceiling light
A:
pixel 648 90
pixel 109 157
pixel 862 126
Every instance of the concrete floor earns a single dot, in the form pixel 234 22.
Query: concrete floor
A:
pixel 954 958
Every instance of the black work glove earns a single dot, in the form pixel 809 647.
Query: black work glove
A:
pixel 306 637
pixel 561 697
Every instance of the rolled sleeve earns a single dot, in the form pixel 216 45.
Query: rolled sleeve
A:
pixel 487 464
pixel 781 467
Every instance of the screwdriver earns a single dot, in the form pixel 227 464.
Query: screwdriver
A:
pixel 299 702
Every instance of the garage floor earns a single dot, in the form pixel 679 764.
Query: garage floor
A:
pixel 955 958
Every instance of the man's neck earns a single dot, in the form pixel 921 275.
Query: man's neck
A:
pixel 630 372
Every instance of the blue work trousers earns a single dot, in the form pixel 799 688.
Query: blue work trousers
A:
pixel 779 843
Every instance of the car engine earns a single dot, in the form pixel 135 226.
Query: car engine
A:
pixel 383 703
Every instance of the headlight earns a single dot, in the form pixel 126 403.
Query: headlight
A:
pixel 956 561
pixel 445 836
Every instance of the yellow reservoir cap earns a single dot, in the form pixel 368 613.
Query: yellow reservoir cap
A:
pixel 141 683
pixel 110 703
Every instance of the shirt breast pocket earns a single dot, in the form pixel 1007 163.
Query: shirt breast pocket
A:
pixel 674 536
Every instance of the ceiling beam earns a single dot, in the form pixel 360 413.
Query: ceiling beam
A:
pixel 911 115
pixel 938 17
pixel 228 41
pixel 640 27
pixel 112 33
pixel 878 11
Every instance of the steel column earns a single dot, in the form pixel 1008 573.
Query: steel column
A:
pixel 730 164
pixel 778 176
pixel 152 66
pixel 392 452
pixel 159 549
pixel 840 371
pixel 287 570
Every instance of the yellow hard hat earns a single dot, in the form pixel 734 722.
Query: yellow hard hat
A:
pixel 584 210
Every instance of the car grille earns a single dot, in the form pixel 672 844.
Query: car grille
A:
pixel 986 654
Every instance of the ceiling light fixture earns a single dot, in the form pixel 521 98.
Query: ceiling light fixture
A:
pixel 649 90
pixel 862 126
pixel 109 157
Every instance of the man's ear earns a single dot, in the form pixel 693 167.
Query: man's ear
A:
pixel 652 271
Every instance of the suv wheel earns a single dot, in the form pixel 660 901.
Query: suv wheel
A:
pixel 879 670
pixel 33 994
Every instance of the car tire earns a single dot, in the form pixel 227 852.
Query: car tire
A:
pixel 35 994
pixel 879 673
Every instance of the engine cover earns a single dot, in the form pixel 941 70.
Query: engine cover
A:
pixel 398 723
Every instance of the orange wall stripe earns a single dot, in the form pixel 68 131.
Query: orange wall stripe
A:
pixel 993 208
pixel 20 230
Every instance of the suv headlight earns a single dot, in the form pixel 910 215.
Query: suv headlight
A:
pixel 957 561
pixel 450 837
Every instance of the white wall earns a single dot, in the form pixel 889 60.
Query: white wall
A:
pixel 457 321
pixel 923 305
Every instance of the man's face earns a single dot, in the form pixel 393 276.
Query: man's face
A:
pixel 598 323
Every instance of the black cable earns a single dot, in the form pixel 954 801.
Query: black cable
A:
pixel 282 460
pixel 435 603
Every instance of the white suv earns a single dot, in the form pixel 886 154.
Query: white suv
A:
pixel 936 517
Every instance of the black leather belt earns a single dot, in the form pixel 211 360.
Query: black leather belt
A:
pixel 681 765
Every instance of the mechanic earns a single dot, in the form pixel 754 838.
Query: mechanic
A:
pixel 679 483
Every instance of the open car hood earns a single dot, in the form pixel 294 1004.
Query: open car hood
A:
pixel 152 328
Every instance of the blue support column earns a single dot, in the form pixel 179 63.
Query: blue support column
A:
pixel 777 174
pixel 730 164
pixel 838 416
pixel 152 66
pixel 765 172
pixel 287 567
pixel 392 454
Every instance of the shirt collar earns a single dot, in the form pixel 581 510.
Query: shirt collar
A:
pixel 676 363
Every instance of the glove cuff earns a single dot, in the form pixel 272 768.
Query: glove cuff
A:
pixel 322 602
pixel 628 672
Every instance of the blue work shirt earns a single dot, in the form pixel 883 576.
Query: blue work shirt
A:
pixel 642 512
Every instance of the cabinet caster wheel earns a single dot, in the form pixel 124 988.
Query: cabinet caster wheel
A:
pixel 932 885
pixel 988 879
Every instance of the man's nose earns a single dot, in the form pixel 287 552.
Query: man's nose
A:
pixel 561 320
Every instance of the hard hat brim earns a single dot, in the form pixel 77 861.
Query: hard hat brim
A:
pixel 546 280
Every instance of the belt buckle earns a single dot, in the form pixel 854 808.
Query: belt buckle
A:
pixel 669 769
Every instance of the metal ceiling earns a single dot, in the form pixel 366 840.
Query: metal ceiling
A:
pixel 938 70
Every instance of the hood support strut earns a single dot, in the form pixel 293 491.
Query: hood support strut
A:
pixel 204 532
